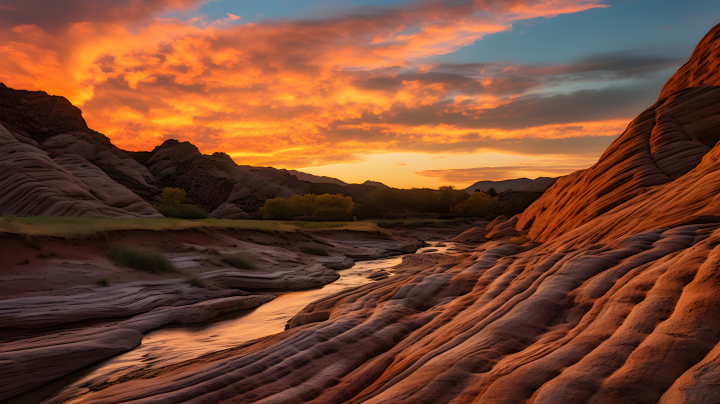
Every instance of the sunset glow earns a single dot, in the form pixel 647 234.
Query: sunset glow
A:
pixel 336 93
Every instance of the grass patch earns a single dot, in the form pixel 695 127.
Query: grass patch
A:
pixel 319 225
pixel 104 281
pixel 314 251
pixel 9 224
pixel 239 261
pixel 195 281
pixel 417 222
pixel 142 259
pixel 80 227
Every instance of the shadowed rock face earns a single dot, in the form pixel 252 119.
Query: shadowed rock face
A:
pixel 215 181
pixel 619 305
pixel 39 116
pixel 56 126
pixel 33 184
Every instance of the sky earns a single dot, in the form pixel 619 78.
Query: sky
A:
pixel 410 93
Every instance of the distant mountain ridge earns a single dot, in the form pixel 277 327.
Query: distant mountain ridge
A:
pixel 540 184
pixel 54 165
pixel 317 179
pixel 321 179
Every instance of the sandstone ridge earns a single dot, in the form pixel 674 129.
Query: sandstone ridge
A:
pixel 619 303
pixel 83 161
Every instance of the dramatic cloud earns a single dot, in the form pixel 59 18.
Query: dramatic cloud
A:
pixel 52 16
pixel 298 93
pixel 549 168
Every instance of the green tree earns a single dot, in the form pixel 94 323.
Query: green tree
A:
pixel 324 208
pixel 173 203
pixel 479 204
pixel 394 203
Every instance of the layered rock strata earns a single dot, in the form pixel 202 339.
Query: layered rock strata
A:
pixel 618 305
pixel 661 145
pixel 29 363
pixel 33 184
pixel 214 182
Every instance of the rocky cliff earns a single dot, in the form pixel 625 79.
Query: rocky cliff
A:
pixel 59 138
pixel 664 145
pixel 614 301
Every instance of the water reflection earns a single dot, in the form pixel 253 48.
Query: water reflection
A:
pixel 179 343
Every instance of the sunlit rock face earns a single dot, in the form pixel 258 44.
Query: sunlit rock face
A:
pixel 619 304
pixel 661 146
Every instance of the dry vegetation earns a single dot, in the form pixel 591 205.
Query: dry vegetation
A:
pixel 141 258
pixel 314 251
pixel 241 261
pixel 78 227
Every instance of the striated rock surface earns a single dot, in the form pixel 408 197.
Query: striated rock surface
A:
pixel 214 182
pixel 606 323
pixel 51 330
pixel 703 68
pixel 103 187
pixel 501 227
pixel 114 162
pixel 35 185
pixel 620 303
pixel 55 125
pixel 297 279
pixel 102 302
pixel 29 363
pixel 661 145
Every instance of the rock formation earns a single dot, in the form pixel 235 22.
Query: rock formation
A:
pixel 660 146
pixel 33 184
pixel 321 179
pixel 539 184
pixel 214 182
pixel 30 363
pixel 619 304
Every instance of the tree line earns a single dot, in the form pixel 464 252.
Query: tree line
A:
pixel 445 202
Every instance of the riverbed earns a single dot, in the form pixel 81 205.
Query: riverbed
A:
pixel 175 344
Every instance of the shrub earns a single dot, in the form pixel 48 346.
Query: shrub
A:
pixel 195 281
pixel 239 261
pixel 479 204
pixel 314 251
pixel 7 223
pixel 321 208
pixel 389 203
pixel 336 214
pixel 104 281
pixel 512 203
pixel 142 259
pixel 173 204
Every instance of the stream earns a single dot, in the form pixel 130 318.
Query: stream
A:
pixel 179 343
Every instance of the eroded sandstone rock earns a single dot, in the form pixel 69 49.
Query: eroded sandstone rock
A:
pixel 35 185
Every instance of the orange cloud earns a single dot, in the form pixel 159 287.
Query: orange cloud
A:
pixel 292 93
pixel 549 168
